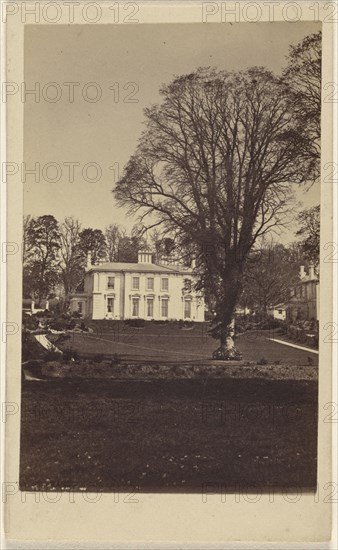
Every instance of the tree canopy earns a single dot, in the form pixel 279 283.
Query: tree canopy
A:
pixel 41 260
pixel 270 272
pixel 309 220
pixel 303 76
pixel 93 241
pixel 216 166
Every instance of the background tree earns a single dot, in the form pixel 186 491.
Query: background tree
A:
pixel 93 241
pixel 26 244
pixel 129 246
pixel 309 220
pixel 41 272
pixel 303 75
pixel 72 261
pixel 113 235
pixel 162 246
pixel 269 274
pixel 216 165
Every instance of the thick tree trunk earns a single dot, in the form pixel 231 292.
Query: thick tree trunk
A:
pixel 227 336
pixel 231 290
pixel 227 350
pixel 226 297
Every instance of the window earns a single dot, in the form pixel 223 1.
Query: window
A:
pixel 165 284
pixel 150 283
pixel 164 307
pixel 150 307
pixel 111 282
pixel 187 309
pixel 110 304
pixel 80 307
pixel 136 308
pixel 187 285
pixel 136 283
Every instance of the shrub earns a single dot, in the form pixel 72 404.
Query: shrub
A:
pixel 262 361
pixel 269 324
pixel 242 325
pixel 136 323
pixel 46 313
pixel 186 324
pixel 76 315
pixel 30 322
pixel 62 323
pixel 58 325
pixel 315 340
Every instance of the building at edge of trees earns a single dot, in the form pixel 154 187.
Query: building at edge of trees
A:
pixel 304 301
pixel 142 290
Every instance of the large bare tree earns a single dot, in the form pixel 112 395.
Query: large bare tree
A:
pixel 303 75
pixel 217 165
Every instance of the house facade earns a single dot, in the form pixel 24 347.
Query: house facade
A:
pixel 304 301
pixel 278 312
pixel 142 290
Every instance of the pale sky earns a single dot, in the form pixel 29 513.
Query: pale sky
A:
pixel 106 132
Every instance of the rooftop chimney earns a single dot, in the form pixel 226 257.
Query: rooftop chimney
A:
pixel 312 272
pixel 144 257
pixel 301 272
pixel 89 260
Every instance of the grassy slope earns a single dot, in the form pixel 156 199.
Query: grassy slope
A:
pixel 167 435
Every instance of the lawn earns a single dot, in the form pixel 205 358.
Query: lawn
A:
pixel 171 434
pixel 169 343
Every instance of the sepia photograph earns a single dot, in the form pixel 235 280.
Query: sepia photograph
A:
pixel 171 284
pixel 169 268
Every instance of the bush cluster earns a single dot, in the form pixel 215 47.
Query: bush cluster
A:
pixel 136 323
pixel 185 324
pixel 30 322
pixel 304 332
pixel 244 323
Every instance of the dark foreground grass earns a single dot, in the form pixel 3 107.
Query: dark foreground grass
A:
pixel 181 435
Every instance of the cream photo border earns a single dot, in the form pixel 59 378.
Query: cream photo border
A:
pixel 167 520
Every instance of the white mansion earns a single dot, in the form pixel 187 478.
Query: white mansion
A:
pixel 145 290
